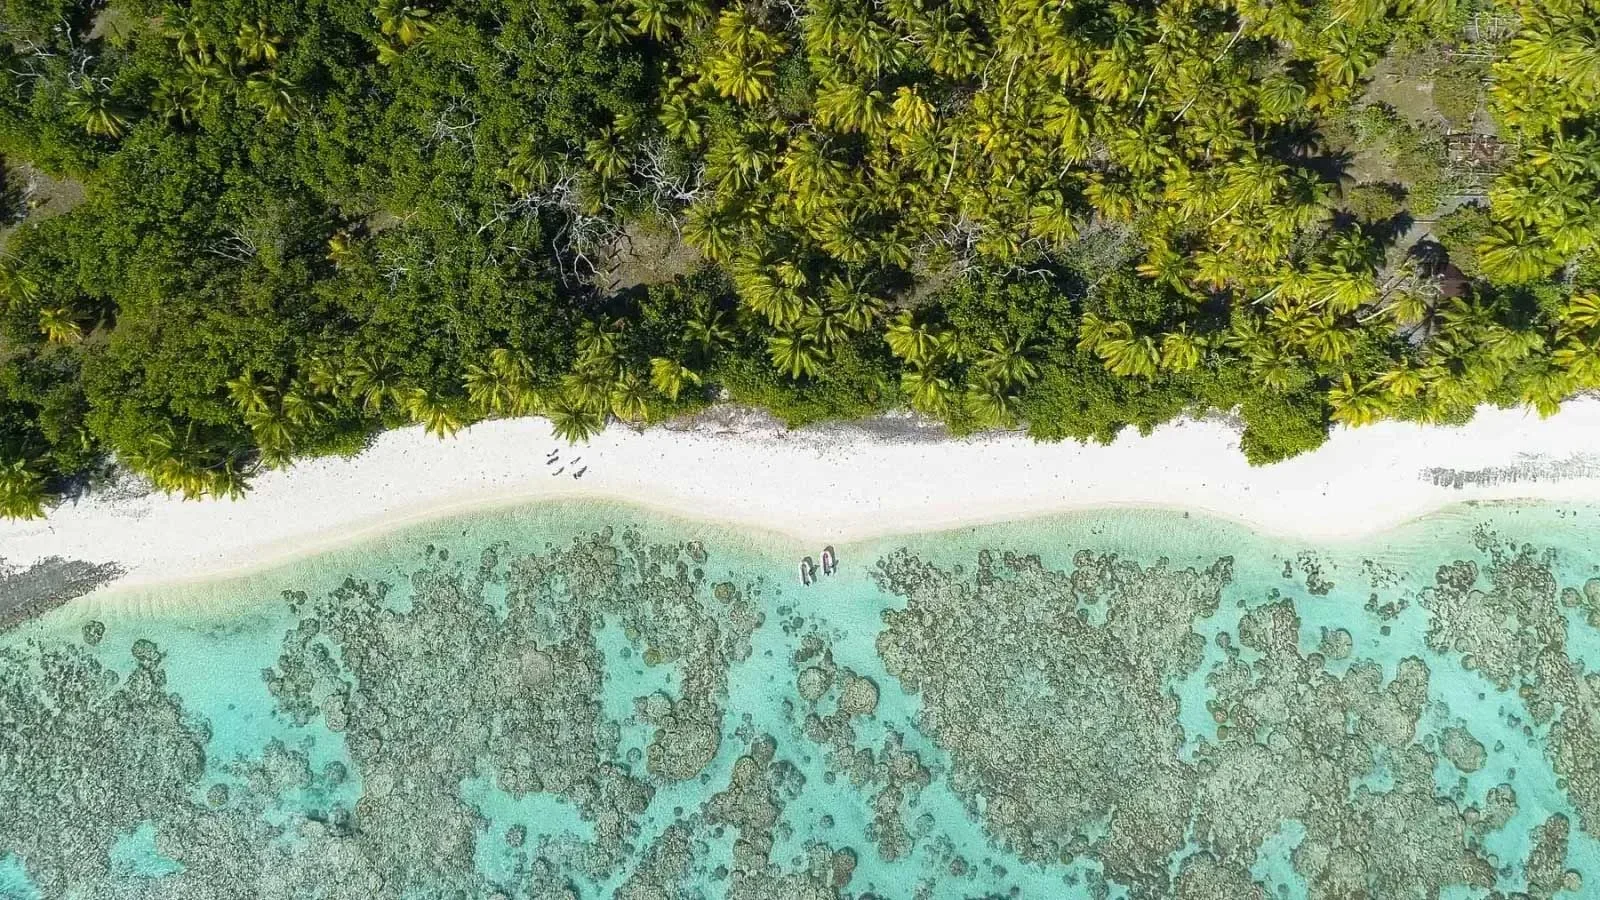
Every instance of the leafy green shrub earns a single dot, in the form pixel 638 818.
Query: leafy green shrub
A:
pixel 1376 201
pixel 1278 426
pixel 1458 91
pixel 1459 231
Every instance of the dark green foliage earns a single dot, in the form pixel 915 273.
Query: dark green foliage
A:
pixel 1278 426
pixel 304 221
pixel 1458 91
pixel 1376 202
pixel 1460 231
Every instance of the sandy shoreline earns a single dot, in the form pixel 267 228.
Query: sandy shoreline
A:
pixel 836 484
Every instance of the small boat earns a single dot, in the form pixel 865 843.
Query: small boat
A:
pixel 558 471
pixel 808 571
pixel 579 473
pixel 830 563
pixel 550 461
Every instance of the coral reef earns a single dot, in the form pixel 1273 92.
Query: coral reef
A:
pixel 1112 724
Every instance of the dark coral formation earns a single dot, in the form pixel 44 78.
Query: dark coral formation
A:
pixel 88 756
pixel 29 592
pixel 1055 695
pixel 1052 693
pixel 1058 707
pixel 1506 620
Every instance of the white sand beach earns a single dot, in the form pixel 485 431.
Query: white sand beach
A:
pixel 829 484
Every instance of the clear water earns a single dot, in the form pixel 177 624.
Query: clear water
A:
pixel 683 719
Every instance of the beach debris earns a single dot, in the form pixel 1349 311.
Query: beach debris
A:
pixel 579 473
pixel 830 563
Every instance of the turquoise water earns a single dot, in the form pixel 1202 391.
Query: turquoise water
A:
pixel 585 700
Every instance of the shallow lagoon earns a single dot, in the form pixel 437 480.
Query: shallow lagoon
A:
pixel 588 700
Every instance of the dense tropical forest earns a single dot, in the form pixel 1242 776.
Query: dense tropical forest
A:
pixel 242 231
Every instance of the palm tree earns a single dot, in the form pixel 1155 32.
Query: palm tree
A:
pixel 847 106
pixel 1276 370
pixel 1581 358
pixel 597 345
pixel 630 398
pixel 916 343
pixel 1279 97
pixel 910 115
pixel 653 18
pixel 186 464
pixel 797 355
pixel 744 62
pixel 930 394
pixel 1051 219
pixel 228 482
pixel 272 434
pixel 607 153
pixel 1354 405
pixel 826 328
pixel 707 330
pixel 990 406
pixel 842 234
pixel 195 87
pixel 531 166
pixel 1545 387
pixel 1512 253
pixel 249 394
pixel 257 42
pixel 1329 341
pixel 1340 290
pixel 668 377
pixel 1401 382
pixel 1126 353
pixel 273 93
pixel 1092 330
pixel 374 381
pixel 436 415
pixel 574 422
pixel 1408 309
pixel 1581 312
pixel 403 20
pixel 1008 362
pixel 1180 351
pixel 341 248
pixel 604 23
pixel 173 100
pixel 503 387
pixel 711 228
pixel 97 112
pixel 22 493
pixel 856 309
pixel 60 325
pixel 590 387
pixel 680 121
pixel 15 287
pixel 179 25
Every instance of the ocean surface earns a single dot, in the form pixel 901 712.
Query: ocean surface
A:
pixel 587 700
